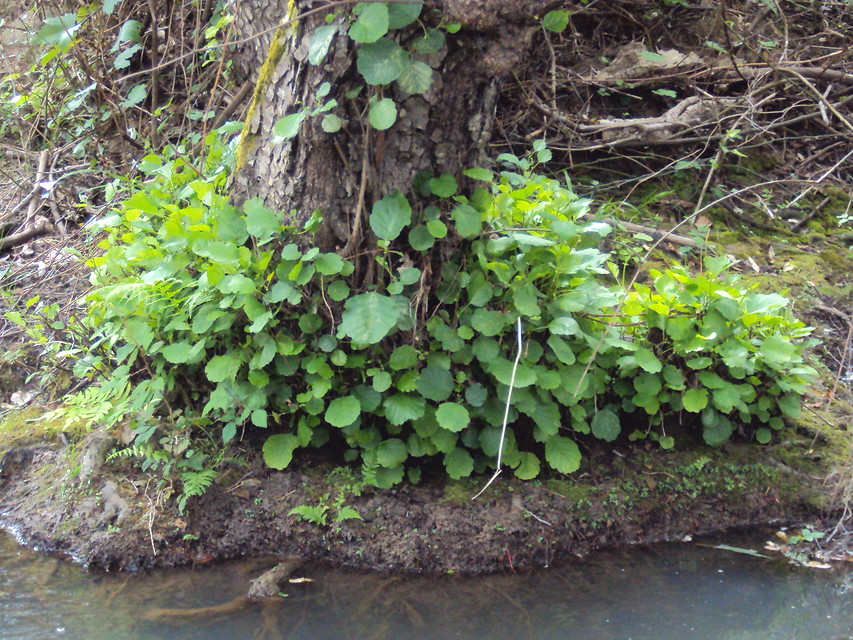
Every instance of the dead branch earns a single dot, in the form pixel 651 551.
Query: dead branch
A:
pixel 43 226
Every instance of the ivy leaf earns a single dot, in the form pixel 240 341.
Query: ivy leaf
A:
pixel 458 463
pixel 556 21
pixel 392 452
pixel 368 317
pixel 342 412
pixel 382 114
pixel 416 78
pixel 372 24
pixel 403 407
pixel 278 450
pixel 382 62
pixel 390 215
pixel 321 40
pixel 563 454
pixel 288 127
pixel 695 400
pixel 605 425
pixel 452 416
pixel 528 468
pixel 402 14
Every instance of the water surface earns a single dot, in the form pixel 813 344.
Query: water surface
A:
pixel 671 592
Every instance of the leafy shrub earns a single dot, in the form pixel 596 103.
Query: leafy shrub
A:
pixel 232 318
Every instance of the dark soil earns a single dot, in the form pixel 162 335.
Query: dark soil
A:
pixel 119 519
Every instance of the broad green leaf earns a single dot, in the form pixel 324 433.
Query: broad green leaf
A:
pixel 435 383
pixel 564 326
pixel 458 463
pixel 452 416
pixel 489 322
pixel 382 62
pixel 716 429
pixel 278 450
pixel 260 418
pixel 647 360
pixel 369 317
pixel 403 357
pixel 695 400
pixel 321 40
pixel 674 377
pixel 700 362
pixel 436 228
pixel 556 20
pixel 261 223
pixel 331 123
pixel 711 380
pixel 402 14
pixel 137 94
pixel 525 298
pixel 562 454
pixel 392 452
pixel 177 352
pixel 528 467
pixel 763 435
pixel 329 264
pixel 342 412
pixel 416 78
pixel 502 370
pixel 790 404
pixel 382 114
pixel 403 407
pixel 58 31
pixel 288 127
pixel 390 215
pixel 431 42
pixel 338 290
pixel 222 367
pixel 776 350
pixel 372 24
pixel 478 173
pixel 606 425
pixel 382 381
pixel 444 186
pixel 561 349
pixel 420 239
pixel 476 394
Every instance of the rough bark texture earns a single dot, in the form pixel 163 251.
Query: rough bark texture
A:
pixel 442 131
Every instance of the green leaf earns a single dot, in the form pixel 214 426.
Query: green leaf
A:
pixel 666 93
pixel 372 24
pixel 459 463
pixel 261 223
pixel 763 435
pixel 476 395
pixel 260 418
pixel 329 264
pixel 431 42
pixel 420 239
pixel 501 369
pixel 561 349
pixel 444 186
pixel 58 31
pixel 562 454
pixel 392 452
pixel 321 40
pixel 403 14
pixel 564 326
pixel 436 228
pixel 488 322
pixel 695 400
pixel 528 467
pixel 789 404
pixel 137 94
pixel 776 350
pixel 452 416
pixel 390 215
pixel 699 362
pixel 435 383
pixel 331 123
pixel 382 114
pixel 382 62
pixel 403 407
pixel 403 357
pixel 278 450
pixel 717 429
pixel 525 298
pixel 647 360
pixel 369 317
pixel 556 20
pixel 222 367
pixel 606 425
pixel 342 412
pixel 338 290
pixel 177 352
pixel 416 78
pixel 288 127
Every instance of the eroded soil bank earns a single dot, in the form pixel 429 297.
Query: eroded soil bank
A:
pixel 118 518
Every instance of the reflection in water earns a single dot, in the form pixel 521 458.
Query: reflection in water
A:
pixel 668 592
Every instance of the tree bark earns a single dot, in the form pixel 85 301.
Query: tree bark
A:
pixel 442 131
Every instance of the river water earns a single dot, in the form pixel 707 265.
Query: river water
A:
pixel 670 592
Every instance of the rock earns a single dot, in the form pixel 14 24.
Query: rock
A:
pixel 95 448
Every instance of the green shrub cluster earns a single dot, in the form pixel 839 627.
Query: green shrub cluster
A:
pixel 201 310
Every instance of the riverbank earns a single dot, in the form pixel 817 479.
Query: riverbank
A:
pixel 119 518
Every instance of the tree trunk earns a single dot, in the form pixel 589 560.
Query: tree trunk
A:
pixel 441 131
